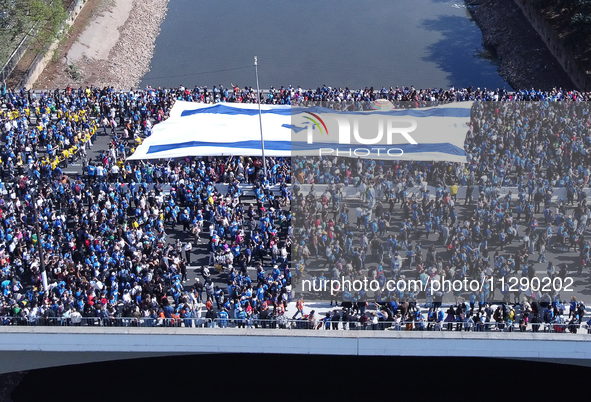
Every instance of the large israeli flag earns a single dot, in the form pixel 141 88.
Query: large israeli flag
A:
pixel 193 129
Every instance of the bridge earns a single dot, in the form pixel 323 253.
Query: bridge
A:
pixel 32 347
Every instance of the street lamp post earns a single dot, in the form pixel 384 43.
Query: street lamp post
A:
pixel 256 70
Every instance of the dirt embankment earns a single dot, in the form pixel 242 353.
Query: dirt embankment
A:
pixel 112 46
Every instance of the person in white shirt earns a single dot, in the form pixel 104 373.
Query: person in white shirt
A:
pixel 100 171
pixel 188 247
pixel 359 214
pixel 115 171
pixel 75 317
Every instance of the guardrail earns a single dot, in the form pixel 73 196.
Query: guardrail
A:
pixel 16 56
pixel 294 324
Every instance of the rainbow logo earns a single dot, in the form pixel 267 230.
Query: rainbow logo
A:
pixel 317 121
pixel 381 104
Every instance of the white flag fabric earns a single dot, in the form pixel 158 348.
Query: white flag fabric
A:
pixel 196 129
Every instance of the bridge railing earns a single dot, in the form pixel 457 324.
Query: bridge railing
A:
pixel 286 323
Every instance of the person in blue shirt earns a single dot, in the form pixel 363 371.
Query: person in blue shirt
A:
pixel 240 317
pixel 219 297
pixel 428 226
pixel 223 318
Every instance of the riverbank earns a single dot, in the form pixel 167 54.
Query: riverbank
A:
pixel 524 59
pixel 113 46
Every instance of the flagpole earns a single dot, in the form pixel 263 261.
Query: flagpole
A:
pixel 256 69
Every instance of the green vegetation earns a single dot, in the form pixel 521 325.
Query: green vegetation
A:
pixel 571 19
pixel 73 72
pixel 582 15
pixel 41 19
pixel 576 12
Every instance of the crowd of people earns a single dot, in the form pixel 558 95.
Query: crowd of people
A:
pixel 462 316
pixel 535 148
pixel 106 233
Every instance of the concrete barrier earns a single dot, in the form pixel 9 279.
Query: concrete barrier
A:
pixel 18 345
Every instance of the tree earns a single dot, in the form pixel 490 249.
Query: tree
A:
pixel 41 19
pixel 581 18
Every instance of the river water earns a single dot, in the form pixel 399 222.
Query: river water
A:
pixel 260 377
pixel 353 43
